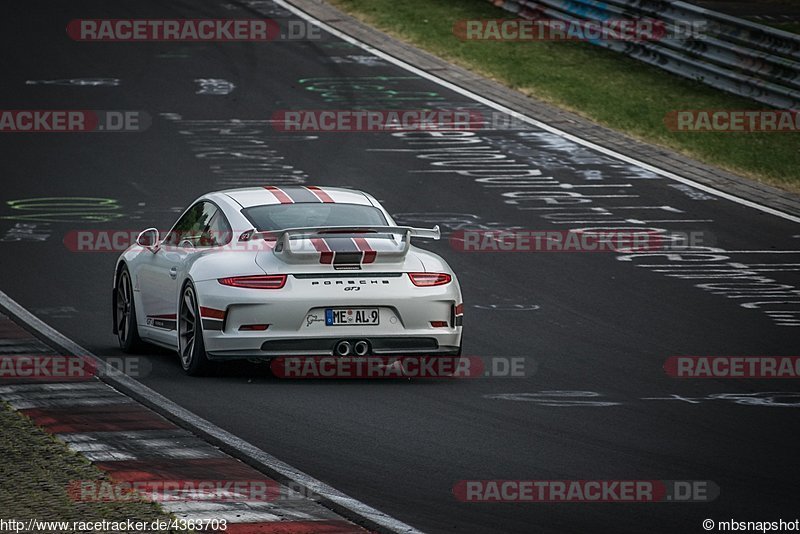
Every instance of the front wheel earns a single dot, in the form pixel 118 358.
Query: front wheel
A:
pixel 191 347
pixel 125 314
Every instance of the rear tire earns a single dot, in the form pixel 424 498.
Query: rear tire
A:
pixel 191 347
pixel 125 314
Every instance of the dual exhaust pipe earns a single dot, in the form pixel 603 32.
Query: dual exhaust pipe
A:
pixel 345 348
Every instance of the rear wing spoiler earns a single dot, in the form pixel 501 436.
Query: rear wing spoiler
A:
pixel 284 237
pixel 321 231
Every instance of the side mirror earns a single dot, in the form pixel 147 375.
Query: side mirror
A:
pixel 148 239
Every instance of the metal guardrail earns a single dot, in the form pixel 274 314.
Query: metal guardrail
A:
pixel 734 55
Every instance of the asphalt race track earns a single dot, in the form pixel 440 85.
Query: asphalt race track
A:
pixel 594 329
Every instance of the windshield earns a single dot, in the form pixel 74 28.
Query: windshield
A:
pixel 280 216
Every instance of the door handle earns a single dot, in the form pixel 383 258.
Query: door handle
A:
pixel 173 273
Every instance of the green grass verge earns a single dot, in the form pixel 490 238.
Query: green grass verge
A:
pixel 604 86
pixel 36 470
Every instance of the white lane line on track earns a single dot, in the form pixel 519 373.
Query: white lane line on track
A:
pixel 530 120
pixel 177 413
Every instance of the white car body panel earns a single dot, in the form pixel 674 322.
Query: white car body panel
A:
pixel 314 283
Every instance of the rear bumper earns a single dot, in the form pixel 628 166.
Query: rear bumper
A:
pixel 401 346
pixel 296 319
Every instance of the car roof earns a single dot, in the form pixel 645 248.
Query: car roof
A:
pixel 259 196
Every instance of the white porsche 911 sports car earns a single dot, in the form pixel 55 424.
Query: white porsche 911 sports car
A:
pixel 286 271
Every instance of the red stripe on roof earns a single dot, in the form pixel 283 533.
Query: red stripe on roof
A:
pixel 282 197
pixel 325 256
pixel 320 194
pixel 363 246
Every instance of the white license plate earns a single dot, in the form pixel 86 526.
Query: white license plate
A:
pixel 352 316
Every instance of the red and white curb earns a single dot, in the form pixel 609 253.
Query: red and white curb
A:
pixel 134 444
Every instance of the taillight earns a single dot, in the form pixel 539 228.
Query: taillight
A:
pixel 269 281
pixel 429 279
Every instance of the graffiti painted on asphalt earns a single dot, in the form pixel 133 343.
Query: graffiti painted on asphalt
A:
pixel 267 7
pixel 451 222
pixel 366 61
pixel 214 86
pixel 64 209
pixel 593 399
pixel 737 275
pixel 361 92
pixel 506 307
pixel 80 82
pixel 238 151
pixel 691 192
pixel 28 232
pixel 524 176
pixel 57 312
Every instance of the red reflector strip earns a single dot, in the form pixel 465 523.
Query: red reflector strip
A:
pixel 278 193
pixel 320 194
pixel 429 279
pixel 211 313
pixel 439 324
pixel 459 310
pixel 325 254
pixel 254 327
pixel 363 246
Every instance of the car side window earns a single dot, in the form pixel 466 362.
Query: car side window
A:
pixel 194 226
pixel 219 230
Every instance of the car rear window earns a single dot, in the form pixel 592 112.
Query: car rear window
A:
pixel 280 216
